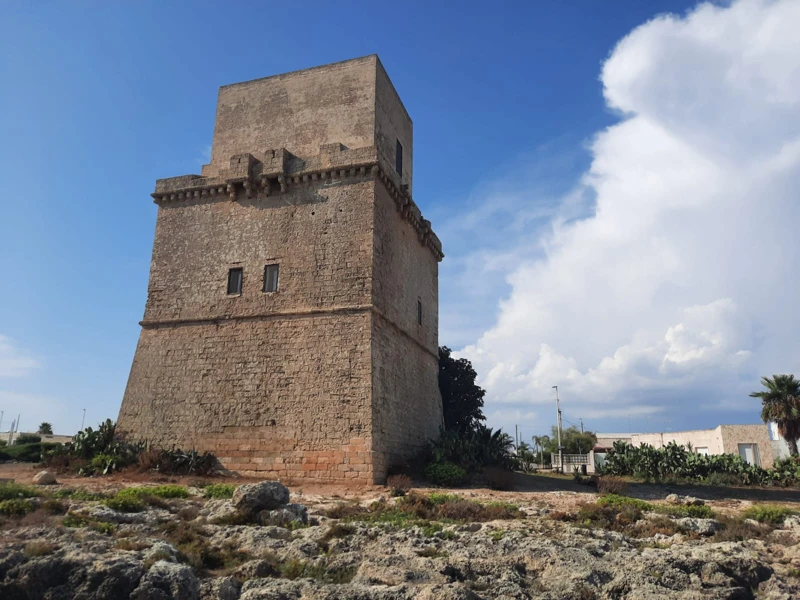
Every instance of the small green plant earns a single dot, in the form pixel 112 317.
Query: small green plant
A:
pixel 767 513
pixel 125 503
pixel 446 474
pixel 219 490
pixel 16 507
pixel 13 490
pixel 497 535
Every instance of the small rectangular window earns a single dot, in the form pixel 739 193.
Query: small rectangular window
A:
pixel 271 278
pixel 235 281
pixel 419 312
pixel 398 158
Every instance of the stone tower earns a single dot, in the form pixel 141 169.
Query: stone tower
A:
pixel 291 324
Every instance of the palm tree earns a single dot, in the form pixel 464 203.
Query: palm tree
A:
pixel 781 404
pixel 46 428
pixel 540 441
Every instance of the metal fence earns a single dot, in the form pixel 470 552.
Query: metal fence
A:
pixel 570 459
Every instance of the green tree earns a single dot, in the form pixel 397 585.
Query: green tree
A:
pixel 572 439
pixel 462 399
pixel 780 402
pixel 45 428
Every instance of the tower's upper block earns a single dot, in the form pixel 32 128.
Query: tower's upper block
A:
pixel 352 103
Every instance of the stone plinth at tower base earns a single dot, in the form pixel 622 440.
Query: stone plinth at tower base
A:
pixel 291 324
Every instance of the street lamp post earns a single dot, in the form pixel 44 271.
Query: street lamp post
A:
pixel 83 420
pixel 558 409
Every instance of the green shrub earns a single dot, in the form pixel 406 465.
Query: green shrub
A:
pixel 219 490
pixel 27 438
pixel 77 520
pixel 54 507
pixel 695 511
pixel 445 474
pixel 125 503
pixel 722 479
pixel 473 449
pixel 620 501
pixel 159 491
pixel 25 452
pixel 11 490
pixel 15 507
pixel 442 498
pixel 80 495
pixel 767 513
pixel 614 517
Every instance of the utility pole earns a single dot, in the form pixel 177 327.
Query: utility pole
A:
pixel 2 412
pixel 560 455
pixel 581 425
pixel 516 438
pixel 83 419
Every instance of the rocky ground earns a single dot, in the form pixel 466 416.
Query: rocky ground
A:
pixel 78 541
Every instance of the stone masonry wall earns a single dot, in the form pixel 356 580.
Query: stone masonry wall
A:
pixel 392 123
pixel 282 397
pixel 407 406
pixel 733 435
pixel 299 111
pixel 320 236
pixel 404 272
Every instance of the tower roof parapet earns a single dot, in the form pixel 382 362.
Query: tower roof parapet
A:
pixel 278 171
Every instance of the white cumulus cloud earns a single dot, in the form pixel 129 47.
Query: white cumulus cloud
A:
pixel 679 288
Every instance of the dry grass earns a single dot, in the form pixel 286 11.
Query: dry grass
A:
pixel 345 510
pixel 399 484
pixel 659 525
pixel 188 513
pixel 39 548
pixel 131 544
pixel 499 479
pixel 735 529
pixel 611 484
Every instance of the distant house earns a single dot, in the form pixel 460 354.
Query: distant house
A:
pixel 780 449
pixel 753 443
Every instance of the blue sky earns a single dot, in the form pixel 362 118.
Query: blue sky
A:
pixel 515 143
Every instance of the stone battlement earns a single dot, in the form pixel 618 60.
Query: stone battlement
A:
pixel 279 171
